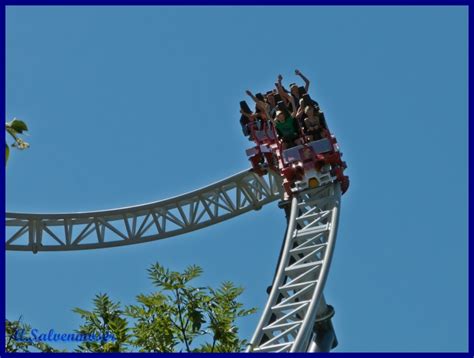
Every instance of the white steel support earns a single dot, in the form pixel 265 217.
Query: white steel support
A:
pixel 296 317
pixel 296 311
pixel 215 203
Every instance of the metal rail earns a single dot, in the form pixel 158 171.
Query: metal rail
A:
pixel 296 317
pixel 213 204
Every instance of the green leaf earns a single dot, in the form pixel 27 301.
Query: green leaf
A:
pixel 82 312
pixel 17 125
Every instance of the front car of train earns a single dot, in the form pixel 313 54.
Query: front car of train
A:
pixel 313 164
pixel 307 164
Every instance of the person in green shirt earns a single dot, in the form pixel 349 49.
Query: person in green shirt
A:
pixel 287 129
pixel 285 122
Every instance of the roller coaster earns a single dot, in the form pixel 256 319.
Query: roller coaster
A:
pixel 307 180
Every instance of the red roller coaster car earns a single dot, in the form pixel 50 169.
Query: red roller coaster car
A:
pixel 308 165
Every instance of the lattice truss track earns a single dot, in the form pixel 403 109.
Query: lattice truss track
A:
pixel 287 324
pixel 132 225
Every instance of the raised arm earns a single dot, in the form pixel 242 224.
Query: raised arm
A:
pixel 288 98
pixel 250 94
pixel 280 89
pixel 260 104
pixel 266 110
pixel 306 81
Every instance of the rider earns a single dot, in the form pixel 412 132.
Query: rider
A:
pixel 286 125
pixel 312 124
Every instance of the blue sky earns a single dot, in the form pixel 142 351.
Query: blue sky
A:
pixel 135 104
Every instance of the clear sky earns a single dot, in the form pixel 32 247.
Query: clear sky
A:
pixel 135 104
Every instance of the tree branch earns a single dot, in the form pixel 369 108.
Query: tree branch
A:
pixel 180 317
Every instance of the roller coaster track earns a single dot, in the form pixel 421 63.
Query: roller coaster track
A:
pixel 296 317
pixel 207 206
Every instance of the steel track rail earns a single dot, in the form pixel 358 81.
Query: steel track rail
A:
pixel 207 206
pixel 296 317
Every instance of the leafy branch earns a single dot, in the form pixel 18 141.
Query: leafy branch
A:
pixel 176 317
pixel 15 128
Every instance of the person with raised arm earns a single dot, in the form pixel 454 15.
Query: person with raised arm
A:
pixel 258 102
pixel 286 124
pixel 306 81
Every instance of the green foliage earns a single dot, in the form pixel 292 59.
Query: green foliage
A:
pixel 186 315
pixel 176 317
pixel 14 129
pixel 153 330
pixel 223 309
pixel 104 320
pixel 16 329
